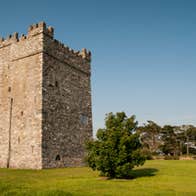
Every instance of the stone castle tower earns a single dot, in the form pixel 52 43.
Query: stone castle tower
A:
pixel 45 101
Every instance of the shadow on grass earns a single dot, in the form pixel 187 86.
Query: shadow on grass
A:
pixel 144 172
pixel 137 173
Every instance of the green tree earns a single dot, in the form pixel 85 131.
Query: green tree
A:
pixel 190 134
pixel 117 148
pixel 170 138
pixel 187 138
pixel 150 136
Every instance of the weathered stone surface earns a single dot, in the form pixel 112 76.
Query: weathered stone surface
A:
pixel 45 101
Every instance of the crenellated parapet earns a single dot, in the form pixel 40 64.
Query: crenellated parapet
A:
pixel 40 28
pixel 33 30
pixel 59 49
pixel 78 59
pixel 47 31
pixel 9 40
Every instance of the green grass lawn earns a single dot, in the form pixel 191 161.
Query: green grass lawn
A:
pixel 154 178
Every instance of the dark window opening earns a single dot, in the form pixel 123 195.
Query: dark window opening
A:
pixel 56 84
pixel 9 89
pixel 18 140
pixel 21 113
pixel 83 119
pixel 32 148
pixel 58 158
pixel 45 114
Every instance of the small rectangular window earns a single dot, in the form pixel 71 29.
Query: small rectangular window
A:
pixel 84 119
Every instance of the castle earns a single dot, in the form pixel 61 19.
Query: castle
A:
pixel 45 101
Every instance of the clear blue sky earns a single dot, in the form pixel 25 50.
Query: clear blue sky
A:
pixel 144 52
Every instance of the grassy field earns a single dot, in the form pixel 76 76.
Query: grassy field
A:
pixel 154 178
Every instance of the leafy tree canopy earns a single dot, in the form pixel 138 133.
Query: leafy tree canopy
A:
pixel 117 148
pixel 150 136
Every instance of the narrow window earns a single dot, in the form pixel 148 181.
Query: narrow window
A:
pixel 83 119
pixel 45 114
pixel 9 89
pixel 18 140
pixel 58 158
pixel 32 148
pixel 56 84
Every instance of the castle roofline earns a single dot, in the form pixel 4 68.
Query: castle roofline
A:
pixel 39 28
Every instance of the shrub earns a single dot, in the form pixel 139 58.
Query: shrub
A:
pixel 117 148
pixel 167 157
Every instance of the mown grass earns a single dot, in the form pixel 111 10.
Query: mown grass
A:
pixel 158 177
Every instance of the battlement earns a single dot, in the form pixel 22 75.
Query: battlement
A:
pixel 33 30
pixel 84 54
pixel 9 40
pixel 40 28
pixel 48 31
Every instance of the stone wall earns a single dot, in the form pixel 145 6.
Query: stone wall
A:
pixel 4 104
pixel 21 100
pixel 67 118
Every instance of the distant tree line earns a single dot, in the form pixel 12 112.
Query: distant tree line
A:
pixel 168 140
